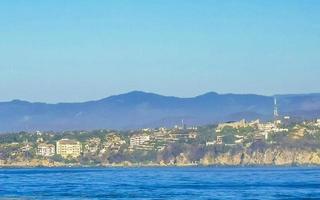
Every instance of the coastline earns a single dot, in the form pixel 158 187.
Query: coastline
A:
pixel 157 166
pixel 269 157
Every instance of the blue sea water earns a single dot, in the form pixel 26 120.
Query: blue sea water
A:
pixel 160 183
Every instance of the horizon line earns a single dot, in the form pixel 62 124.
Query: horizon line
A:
pixel 153 93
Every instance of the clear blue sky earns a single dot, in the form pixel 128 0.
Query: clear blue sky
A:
pixel 55 51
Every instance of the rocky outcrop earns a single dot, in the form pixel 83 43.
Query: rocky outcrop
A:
pixel 31 163
pixel 276 156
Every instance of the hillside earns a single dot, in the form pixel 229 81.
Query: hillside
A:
pixel 139 109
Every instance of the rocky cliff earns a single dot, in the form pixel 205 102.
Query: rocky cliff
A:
pixel 272 156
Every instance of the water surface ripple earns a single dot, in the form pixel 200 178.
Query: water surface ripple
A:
pixel 160 183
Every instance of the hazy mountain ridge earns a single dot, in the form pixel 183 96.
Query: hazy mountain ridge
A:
pixel 139 109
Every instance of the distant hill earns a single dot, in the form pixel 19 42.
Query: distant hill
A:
pixel 139 109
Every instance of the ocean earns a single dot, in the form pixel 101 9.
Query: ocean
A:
pixel 161 183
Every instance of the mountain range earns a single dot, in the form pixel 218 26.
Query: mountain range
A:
pixel 140 109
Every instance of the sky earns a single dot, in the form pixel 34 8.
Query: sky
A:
pixel 79 50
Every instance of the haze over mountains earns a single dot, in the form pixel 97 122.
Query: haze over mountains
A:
pixel 139 109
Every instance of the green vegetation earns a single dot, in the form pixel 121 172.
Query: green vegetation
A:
pixel 165 146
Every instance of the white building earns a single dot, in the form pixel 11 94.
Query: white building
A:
pixel 210 143
pixel 137 140
pixel 239 139
pixel 46 150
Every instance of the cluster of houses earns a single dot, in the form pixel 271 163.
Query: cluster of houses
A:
pixel 72 149
pixel 158 139
pixel 145 139
pixel 262 130
pixel 113 142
